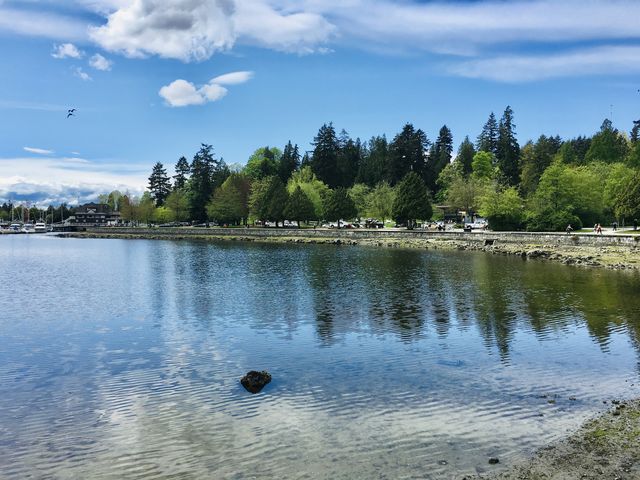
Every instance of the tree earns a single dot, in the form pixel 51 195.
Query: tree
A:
pixel 289 162
pixel 127 208
pixel 439 157
pixel 113 200
pixel 608 145
pixel 178 204
pixel 207 173
pixel 162 215
pixel 574 151
pixel 466 151
pixel 627 204
pixel 407 153
pixel 374 166
pixel 268 199
pixel 182 169
pixel 159 184
pixel 482 165
pixel 313 188
pixel 349 158
pixel 299 207
pixel 466 194
pixel 508 150
pixel 230 201
pixel 358 194
pixel 488 139
pixel 324 161
pixel 565 195
pixel 411 201
pixel 264 162
pixel 503 209
pixel 380 201
pixel 146 209
pixel 535 158
pixel 339 205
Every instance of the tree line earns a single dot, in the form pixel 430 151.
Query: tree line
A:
pixel 542 185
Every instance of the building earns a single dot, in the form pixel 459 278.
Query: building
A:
pixel 96 214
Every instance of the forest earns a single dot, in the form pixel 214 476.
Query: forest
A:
pixel 543 185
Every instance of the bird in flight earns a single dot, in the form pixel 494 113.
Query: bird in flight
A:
pixel 70 112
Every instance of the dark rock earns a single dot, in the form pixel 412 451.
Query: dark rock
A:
pixel 493 461
pixel 255 381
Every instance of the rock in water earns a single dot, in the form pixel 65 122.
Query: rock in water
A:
pixel 255 381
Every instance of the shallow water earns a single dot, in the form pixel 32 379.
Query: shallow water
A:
pixel 122 358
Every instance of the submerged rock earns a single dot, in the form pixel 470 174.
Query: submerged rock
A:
pixel 255 381
pixel 494 460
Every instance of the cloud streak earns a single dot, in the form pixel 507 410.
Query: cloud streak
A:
pixel 38 151
pixel 66 50
pixel 525 68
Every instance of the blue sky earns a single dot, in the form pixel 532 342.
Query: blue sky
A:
pixel 152 79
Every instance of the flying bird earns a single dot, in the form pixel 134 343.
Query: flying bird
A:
pixel 70 112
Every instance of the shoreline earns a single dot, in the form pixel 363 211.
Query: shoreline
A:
pixel 605 447
pixel 618 252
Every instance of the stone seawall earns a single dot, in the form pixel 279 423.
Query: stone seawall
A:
pixel 482 238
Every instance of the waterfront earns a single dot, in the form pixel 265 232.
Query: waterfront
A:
pixel 122 358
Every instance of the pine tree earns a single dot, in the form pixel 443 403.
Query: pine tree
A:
pixel 206 174
pixel 439 157
pixel 635 132
pixel 299 207
pixel 508 154
pixel 466 151
pixel 324 161
pixel 374 166
pixel 338 206
pixel 289 162
pixel 349 159
pixel 407 153
pixel 411 201
pixel 182 173
pixel 159 184
pixel 488 139
pixel 608 145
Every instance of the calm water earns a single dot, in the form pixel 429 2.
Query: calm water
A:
pixel 121 359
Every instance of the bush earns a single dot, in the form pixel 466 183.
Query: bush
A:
pixel 553 221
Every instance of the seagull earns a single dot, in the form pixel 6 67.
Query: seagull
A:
pixel 70 112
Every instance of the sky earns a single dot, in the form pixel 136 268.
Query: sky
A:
pixel 153 79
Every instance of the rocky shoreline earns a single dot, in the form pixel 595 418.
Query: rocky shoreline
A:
pixel 615 256
pixel 607 447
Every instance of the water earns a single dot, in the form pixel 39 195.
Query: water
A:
pixel 122 359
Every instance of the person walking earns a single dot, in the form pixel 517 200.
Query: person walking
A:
pixel 598 228
pixel 569 229
pixel 615 226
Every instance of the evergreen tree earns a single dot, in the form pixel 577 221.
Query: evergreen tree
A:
pixel 349 159
pixel 339 206
pixel 574 151
pixel 411 201
pixel 324 161
pixel 268 199
pixel 608 145
pixel 206 174
pixel 374 166
pixel 230 201
pixel 508 151
pixel 159 184
pixel 439 157
pixel 635 132
pixel 466 151
pixel 407 153
pixel 289 162
pixel 182 174
pixel 488 139
pixel 535 158
pixel 299 207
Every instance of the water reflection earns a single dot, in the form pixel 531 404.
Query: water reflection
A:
pixel 385 362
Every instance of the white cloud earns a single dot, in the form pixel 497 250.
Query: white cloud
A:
pixel 39 151
pixel 81 74
pixel 196 29
pixel 522 68
pixel 100 63
pixel 66 50
pixel 55 180
pixel 181 93
pixel 233 78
